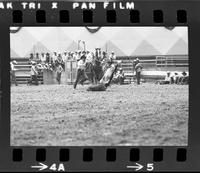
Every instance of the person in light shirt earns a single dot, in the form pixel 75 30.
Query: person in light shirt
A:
pixel 64 56
pixel 81 75
pixel 34 74
pixel 12 72
pixel 168 79
pixel 89 57
pixel 112 57
pixel 76 57
pixel 120 77
pixel 54 57
pixel 43 58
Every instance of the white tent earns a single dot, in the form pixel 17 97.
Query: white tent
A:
pixel 124 41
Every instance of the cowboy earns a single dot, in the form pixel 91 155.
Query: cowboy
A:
pixel 54 57
pixel 76 56
pixel 34 73
pixel 48 60
pixel 37 57
pixel 167 79
pixel 43 58
pixel 112 57
pixel 64 56
pixel 120 77
pixel 58 73
pixel 184 79
pixel 12 72
pixel 31 57
pixel 138 70
pixel 81 70
pixel 79 55
pixel 89 57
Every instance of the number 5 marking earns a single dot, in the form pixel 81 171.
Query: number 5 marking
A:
pixel 150 167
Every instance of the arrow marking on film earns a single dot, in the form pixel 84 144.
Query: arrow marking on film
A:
pixel 41 166
pixel 136 167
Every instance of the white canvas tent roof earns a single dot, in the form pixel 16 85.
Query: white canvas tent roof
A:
pixel 124 41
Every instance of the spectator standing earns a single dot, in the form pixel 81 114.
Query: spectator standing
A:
pixel 43 58
pixel 138 70
pixel 12 72
pixel 54 57
pixel 89 57
pixel 64 56
pixel 37 57
pixel 59 73
pixel 34 74
pixel 48 59
pixel 31 58
pixel 112 57
pixel 76 56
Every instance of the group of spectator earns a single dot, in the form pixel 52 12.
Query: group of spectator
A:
pixel 56 62
pixel 175 78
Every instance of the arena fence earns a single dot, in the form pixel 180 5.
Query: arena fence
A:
pixel 155 67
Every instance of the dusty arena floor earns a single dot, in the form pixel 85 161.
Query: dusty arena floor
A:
pixel 53 115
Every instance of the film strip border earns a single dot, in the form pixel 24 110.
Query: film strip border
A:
pixel 110 17
pixel 142 13
pixel 101 158
pixel 154 13
pixel 110 154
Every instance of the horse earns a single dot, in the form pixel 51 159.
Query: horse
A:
pixel 94 68
pixel 106 79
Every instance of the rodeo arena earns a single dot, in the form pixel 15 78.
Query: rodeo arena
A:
pixel 99 86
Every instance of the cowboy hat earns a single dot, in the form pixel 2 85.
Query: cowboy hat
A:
pixel 33 62
pixel 184 73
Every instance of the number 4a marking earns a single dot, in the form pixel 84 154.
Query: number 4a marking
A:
pixel 150 167
pixel 54 168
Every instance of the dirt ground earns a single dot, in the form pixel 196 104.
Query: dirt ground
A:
pixel 145 115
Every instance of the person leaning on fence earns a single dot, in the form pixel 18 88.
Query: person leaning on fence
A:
pixel 80 74
pixel 138 70
pixel 34 74
pixel 12 72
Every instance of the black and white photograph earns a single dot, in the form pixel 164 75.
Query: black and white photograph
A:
pixel 99 86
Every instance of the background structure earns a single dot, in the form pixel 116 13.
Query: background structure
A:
pixel 124 41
